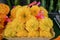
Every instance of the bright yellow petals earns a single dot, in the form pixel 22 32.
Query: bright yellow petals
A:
pixel 32 24
pixel 33 34
pixel 43 27
pixel 46 34
pixel 13 11
pixel 22 33
pixel 23 14
pixel 35 10
pixel 13 27
pixel 9 31
pixel 45 24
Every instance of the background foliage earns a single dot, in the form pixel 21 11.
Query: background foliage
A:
pixel 50 5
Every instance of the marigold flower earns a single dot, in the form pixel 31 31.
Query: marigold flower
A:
pixel 4 9
pixel 32 24
pixel 34 10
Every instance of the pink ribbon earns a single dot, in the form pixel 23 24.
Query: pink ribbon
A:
pixel 32 3
pixel 38 3
pixel 8 20
pixel 40 15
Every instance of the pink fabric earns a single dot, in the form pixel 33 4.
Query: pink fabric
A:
pixel 7 19
pixel 6 16
pixel 40 15
pixel 32 3
pixel 38 3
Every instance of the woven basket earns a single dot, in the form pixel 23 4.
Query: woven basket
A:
pixel 25 38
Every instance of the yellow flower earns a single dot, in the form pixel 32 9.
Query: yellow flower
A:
pixel 13 27
pixel 45 24
pixel 45 34
pixel 13 11
pixel 43 27
pixel 32 24
pixel 9 31
pixel 23 14
pixel 33 34
pixel 22 33
pixel 17 25
pixel 35 10
pixel 44 10
pixel 4 9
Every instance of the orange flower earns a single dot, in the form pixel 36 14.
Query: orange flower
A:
pixel 1 37
pixel 58 38
pixel 4 9
pixel 2 19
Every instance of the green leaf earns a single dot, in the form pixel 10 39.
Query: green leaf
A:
pixel 8 1
pixel 43 3
pixel 59 4
pixel 16 2
pixel 28 1
pixel 51 6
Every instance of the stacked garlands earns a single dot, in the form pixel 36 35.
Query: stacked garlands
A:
pixel 27 21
